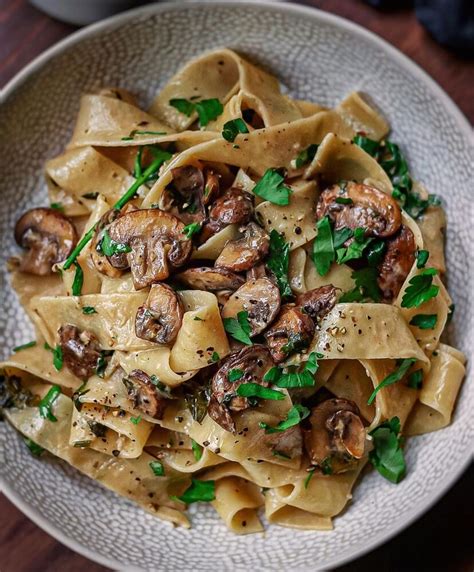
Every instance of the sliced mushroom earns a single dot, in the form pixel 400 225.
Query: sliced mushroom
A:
pixel 396 263
pixel 260 298
pixel 210 279
pixel 293 331
pixel 287 443
pixel 157 244
pixel 100 261
pixel 253 361
pixel 234 207
pixel 144 394
pixel 370 208
pixel 317 302
pixel 160 318
pixel 80 350
pixel 48 237
pixel 337 434
pixel 244 253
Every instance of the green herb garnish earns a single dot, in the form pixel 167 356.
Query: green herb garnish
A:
pixel 191 229
pixel 24 346
pixel 78 280
pixel 415 379
pixel 368 145
pixel 197 450
pixel 323 247
pixel 215 357
pixel 356 248
pixel 295 379
pixel 102 362
pixel 422 258
pixel 57 356
pixel 157 468
pixel 34 448
pixel 309 477
pixel 89 310
pixel 278 262
pixel 199 491
pixel 295 415
pixel 306 156
pixel 424 321
pixel 46 403
pixel 257 390
pixel 239 328
pixel 136 420
pixel 207 109
pixel 387 455
pixel 366 286
pixel 403 366
pixel 108 247
pixel 235 374
pixel 271 187
pixel 57 206
pixel 232 128
pixel 420 289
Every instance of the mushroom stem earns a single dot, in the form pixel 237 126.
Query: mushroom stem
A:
pixel 150 170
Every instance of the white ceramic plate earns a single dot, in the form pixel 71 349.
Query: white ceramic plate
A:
pixel 316 56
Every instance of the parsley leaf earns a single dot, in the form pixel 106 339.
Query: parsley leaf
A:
pixel 375 251
pixel 207 109
pixel 191 229
pixel 387 456
pixel 232 128
pixel 295 415
pixel 368 145
pixel 239 328
pixel 422 258
pixel 340 236
pixel 271 188
pixel 309 477
pixel 57 355
pixel 24 346
pixel 355 249
pixel 395 376
pixel 102 362
pixel 420 289
pixel 199 491
pixel 306 156
pixel 197 450
pixel 366 286
pixel 183 106
pixel 89 310
pixel 415 379
pixel 323 247
pixel 215 357
pixel 46 403
pixel 235 374
pixel 78 280
pixel 57 206
pixel 295 379
pixel 34 448
pixel 136 420
pixel 424 321
pixel 278 262
pixel 257 390
pixel 108 247
pixel 157 468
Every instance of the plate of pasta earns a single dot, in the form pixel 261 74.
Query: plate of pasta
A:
pixel 226 299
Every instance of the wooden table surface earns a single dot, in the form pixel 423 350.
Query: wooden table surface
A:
pixel 441 539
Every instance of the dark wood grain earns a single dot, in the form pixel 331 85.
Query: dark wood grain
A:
pixel 440 540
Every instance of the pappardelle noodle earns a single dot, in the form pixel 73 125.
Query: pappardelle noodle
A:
pixel 238 298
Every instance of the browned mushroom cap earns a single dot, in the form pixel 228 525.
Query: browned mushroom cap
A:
pixel 253 361
pixel 371 209
pixel 245 252
pixel 81 350
pixel 287 443
pixel 157 244
pixel 317 302
pixel 144 394
pixel 293 331
pixel 211 279
pixel 234 207
pixel 260 298
pixel 160 318
pixel 396 263
pixel 48 236
pixel 100 261
pixel 337 434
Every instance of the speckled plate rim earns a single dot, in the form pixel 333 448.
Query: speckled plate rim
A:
pixel 318 16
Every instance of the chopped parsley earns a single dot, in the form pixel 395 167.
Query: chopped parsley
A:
pixel 108 247
pixel 257 390
pixel 199 491
pixel 191 229
pixel 197 450
pixel 102 362
pixel 422 258
pixel 24 346
pixel 355 249
pixel 57 356
pixel 235 374
pixel 326 466
pixel 309 477
pixel 295 415
pixel 387 456
pixel 366 286
pixel 34 448
pixel 295 379
pixel 207 109
pixel 76 396
pixel 57 206
pixel 306 156
pixel 271 187
pixel 420 289
pixel 239 328
pixel 46 403
pixel 136 420
pixel 403 366
pixel 89 310
pixel 215 357
pixel 424 321
pixel 157 468
pixel 323 247
pixel 278 262
pixel 344 200
pixel 368 145
pixel 232 128
pixel 132 134
pixel 415 379
pixel 78 280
